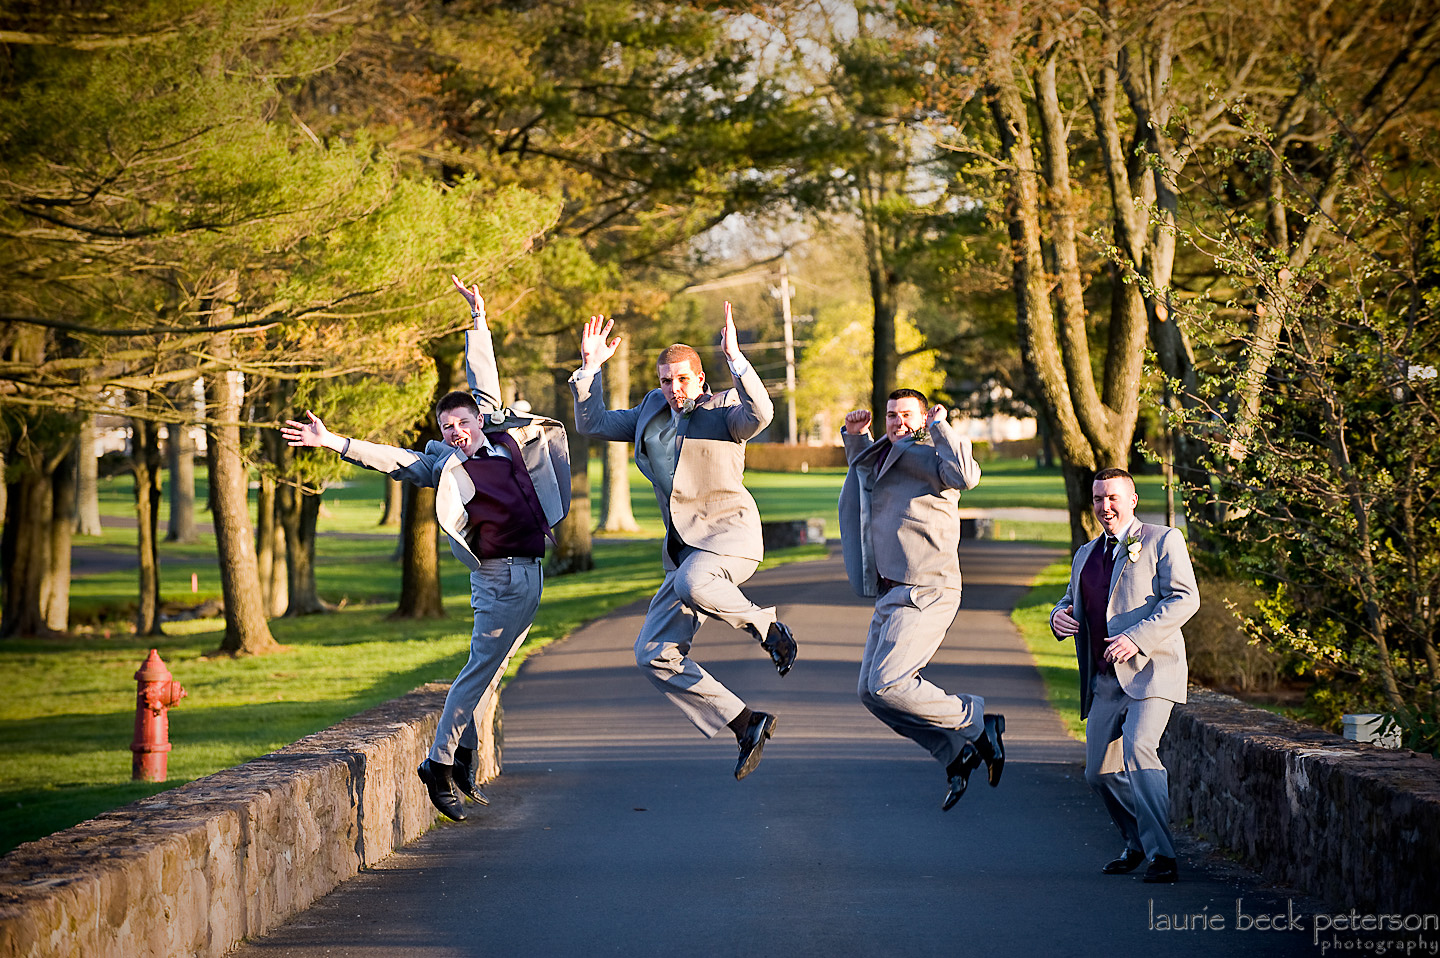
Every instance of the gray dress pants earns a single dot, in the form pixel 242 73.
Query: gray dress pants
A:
pixel 504 594
pixel 1122 764
pixel 905 633
pixel 703 585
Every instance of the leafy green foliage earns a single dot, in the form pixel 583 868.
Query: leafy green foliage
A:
pixel 1331 486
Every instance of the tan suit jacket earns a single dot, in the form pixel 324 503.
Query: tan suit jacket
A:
pixel 899 514
pixel 709 507
pixel 1150 599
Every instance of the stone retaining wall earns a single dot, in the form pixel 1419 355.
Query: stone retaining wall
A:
pixel 196 869
pixel 1354 824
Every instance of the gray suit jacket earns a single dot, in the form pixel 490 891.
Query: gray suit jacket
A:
pixel 542 446
pixel 709 507
pixel 901 519
pixel 1150 599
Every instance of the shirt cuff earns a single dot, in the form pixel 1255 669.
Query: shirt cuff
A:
pixel 582 374
pixel 739 367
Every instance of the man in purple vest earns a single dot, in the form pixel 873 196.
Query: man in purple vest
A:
pixel 502 480
pixel 1130 591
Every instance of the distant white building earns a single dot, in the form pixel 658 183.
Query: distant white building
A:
pixel 997 428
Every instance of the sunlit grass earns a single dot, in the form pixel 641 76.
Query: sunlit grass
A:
pixel 1055 660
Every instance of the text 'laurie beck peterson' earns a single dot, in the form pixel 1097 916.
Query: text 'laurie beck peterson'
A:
pixel 1289 920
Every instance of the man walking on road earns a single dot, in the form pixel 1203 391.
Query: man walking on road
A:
pixel 690 444
pixel 900 533
pixel 1130 592
pixel 502 480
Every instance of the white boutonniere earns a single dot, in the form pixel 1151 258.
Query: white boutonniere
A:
pixel 1132 547
pixel 687 408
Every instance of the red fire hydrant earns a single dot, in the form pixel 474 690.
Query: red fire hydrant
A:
pixel 156 691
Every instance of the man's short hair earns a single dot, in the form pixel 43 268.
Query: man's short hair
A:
pixel 457 400
pixel 679 353
pixel 1115 472
pixel 910 394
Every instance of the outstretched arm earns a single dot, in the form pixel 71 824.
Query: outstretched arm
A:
pixel 313 434
pixel 480 368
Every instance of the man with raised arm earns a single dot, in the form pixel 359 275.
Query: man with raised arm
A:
pixel 502 480
pixel 900 533
pixel 690 444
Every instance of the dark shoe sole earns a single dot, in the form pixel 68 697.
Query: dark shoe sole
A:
pixel 783 652
pixel 465 780
pixel 994 769
pixel 1121 866
pixel 969 761
pixel 751 759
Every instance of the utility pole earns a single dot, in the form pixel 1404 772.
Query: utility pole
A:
pixel 790 425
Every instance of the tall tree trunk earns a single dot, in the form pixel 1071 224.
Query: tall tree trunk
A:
pixel 390 515
pixel 420 596
pixel 145 466
pixel 270 549
pixel 180 453
pixel 246 629
pixel 615 487
pixel 299 511
pixel 56 606
pixel 1035 319
pixel 87 481
pixel 27 540
pixel 572 552
pixel 25 551
pixel 884 361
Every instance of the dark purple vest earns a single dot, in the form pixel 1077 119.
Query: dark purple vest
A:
pixel 1095 596
pixel 505 515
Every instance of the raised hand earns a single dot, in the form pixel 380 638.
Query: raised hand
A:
pixel 473 297
pixel 729 345
pixel 594 350
pixel 857 422
pixel 312 433
pixel 936 414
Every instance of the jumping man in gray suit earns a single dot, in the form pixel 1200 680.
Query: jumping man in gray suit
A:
pixel 900 533
pixel 1130 592
pixel 502 480
pixel 690 444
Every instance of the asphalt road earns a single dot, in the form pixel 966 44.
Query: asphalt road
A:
pixel 618 829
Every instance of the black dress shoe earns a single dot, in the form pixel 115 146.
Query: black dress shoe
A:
pixel 991 749
pixel 1128 861
pixel 467 760
pixel 1162 870
pixel 440 783
pixel 959 771
pixel 779 641
pixel 752 743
